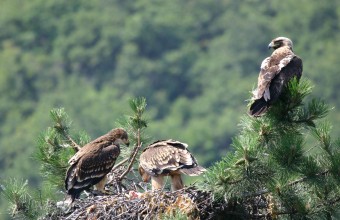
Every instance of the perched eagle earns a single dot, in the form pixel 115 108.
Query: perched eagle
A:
pixel 167 158
pixel 275 72
pixel 92 162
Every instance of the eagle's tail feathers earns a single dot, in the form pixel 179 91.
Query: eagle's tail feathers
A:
pixel 70 177
pixel 258 108
pixel 195 171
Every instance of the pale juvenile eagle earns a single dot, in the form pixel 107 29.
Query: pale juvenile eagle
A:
pixel 275 72
pixel 167 158
pixel 92 162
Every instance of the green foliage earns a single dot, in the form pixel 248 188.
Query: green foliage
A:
pixel 271 162
pixel 26 202
pixel 135 124
pixel 54 148
pixel 137 121
pixel 176 215
pixel 194 61
pixel 21 202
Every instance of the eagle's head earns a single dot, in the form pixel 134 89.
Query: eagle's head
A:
pixel 119 135
pixel 280 42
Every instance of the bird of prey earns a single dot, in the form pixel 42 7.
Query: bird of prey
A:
pixel 167 158
pixel 275 73
pixel 93 161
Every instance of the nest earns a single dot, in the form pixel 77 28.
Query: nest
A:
pixel 189 202
pixel 127 202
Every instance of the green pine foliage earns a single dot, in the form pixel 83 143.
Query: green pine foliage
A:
pixel 135 124
pixel 201 56
pixel 21 202
pixel 193 60
pixel 276 168
pixel 55 147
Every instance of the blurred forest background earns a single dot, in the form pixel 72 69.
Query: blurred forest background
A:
pixel 195 61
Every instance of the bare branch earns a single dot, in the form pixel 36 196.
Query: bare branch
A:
pixel 120 164
pixel 134 154
pixel 73 143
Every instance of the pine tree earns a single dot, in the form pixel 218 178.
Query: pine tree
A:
pixel 276 170
pixel 284 165
pixel 55 147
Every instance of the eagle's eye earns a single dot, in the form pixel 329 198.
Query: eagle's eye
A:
pixel 278 44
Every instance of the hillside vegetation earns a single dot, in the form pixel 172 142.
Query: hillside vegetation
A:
pixel 194 61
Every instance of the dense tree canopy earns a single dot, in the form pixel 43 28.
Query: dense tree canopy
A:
pixel 194 61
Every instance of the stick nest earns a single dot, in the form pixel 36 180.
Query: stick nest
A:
pixel 190 202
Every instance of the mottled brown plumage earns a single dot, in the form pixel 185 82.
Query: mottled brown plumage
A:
pixel 275 73
pixel 93 161
pixel 167 158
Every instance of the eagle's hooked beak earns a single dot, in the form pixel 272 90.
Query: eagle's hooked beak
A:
pixel 126 142
pixel 271 45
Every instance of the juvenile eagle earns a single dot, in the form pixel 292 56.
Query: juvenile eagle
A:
pixel 275 72
pixel 92 162
pixel 167 158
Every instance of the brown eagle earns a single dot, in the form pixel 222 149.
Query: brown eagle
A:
pixel 167 158
pixel 275 72
pixel 93 161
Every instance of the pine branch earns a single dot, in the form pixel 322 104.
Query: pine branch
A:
pixel 74 145
pixel 302 179
pixel 134 154
pixel 269 158
pixel 62 125
pixel 135 124
pixel 53 148
pixel 292 183
pixel 22 203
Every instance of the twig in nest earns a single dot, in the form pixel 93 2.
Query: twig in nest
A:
pixel 134 154
pixel 120 164
pixel 131 162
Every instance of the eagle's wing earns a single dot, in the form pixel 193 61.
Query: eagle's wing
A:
pixel 266 75
pixel 270 67
pixel 91 166
pixel 292 69
pixel 164 157
pixel 79 154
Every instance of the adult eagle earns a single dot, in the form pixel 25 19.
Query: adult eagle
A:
pixel 167 158
pixel 93 161
pixel 275 72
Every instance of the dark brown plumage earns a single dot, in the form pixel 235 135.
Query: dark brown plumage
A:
pixel 93 161
pixel 275 73
pixel 167 158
